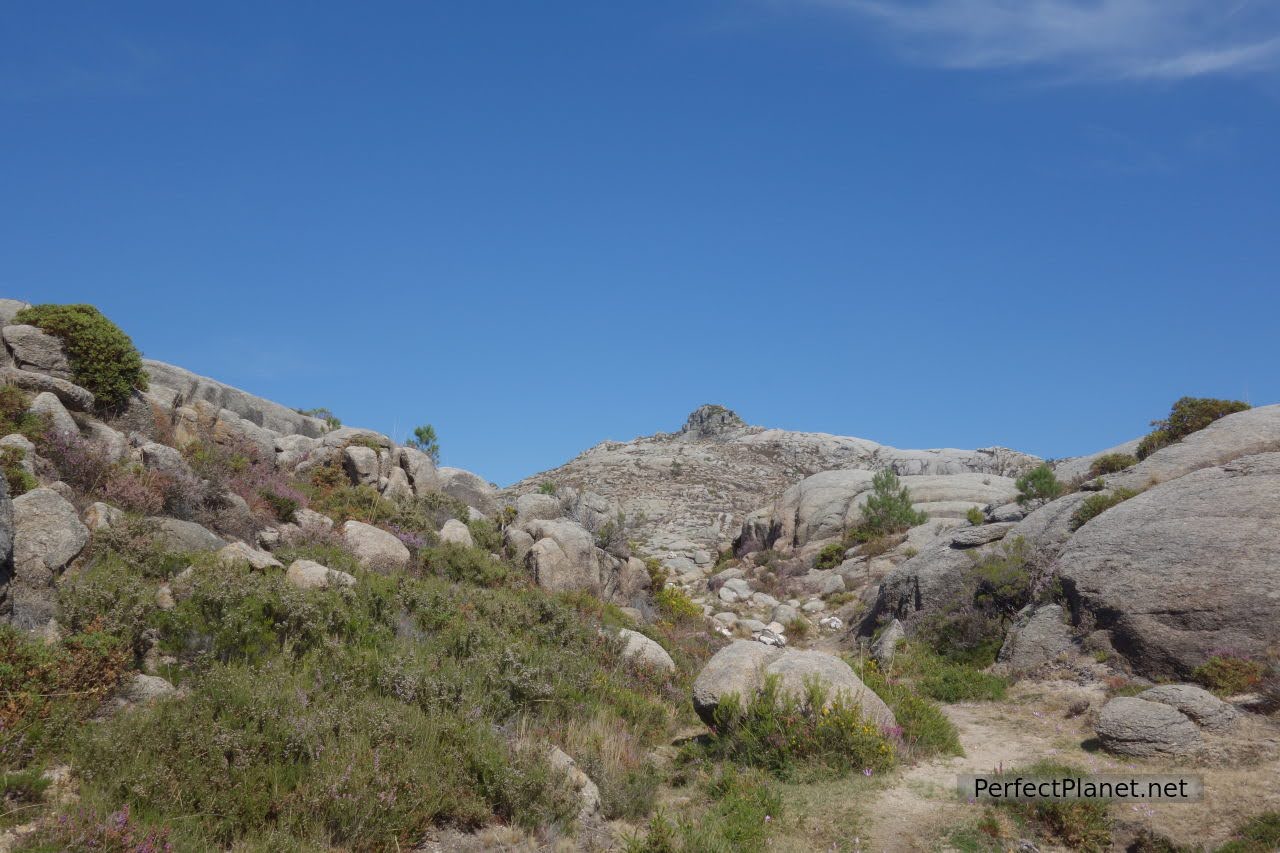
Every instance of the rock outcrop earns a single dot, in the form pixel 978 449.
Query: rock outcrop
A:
pixel 1186 567
pixel 690 491
pixel 47 535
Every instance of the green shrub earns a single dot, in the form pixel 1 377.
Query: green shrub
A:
pixel 465 565
pixel 1096 504
pixel 1111 463
pixel 1188 415
pixel 18 478
pixel 797 737
pixel 947 680
pixel 1227 674
pixel 316 759
pixel 830 556
pixel 926 731
pixel 888 508
pixel 1038 486
pixel 743 808
pixel 109 594
pixel 16 416
pixel 970 628
pixel 674 604
pixel 103 359
pixel 546 487
pixel 1258 835
pixel 975 516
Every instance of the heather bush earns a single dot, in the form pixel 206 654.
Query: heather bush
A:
pixel 1096 504
pixel 103 359
pixel 796 738
pixel 314 758
pixel 742 810
pixel 86 828
pixel 1076 824
pixel 1111 463
pixel 975 516
pixel 465 565
pixel 1188 415
pixel 830 556
pixel 81 464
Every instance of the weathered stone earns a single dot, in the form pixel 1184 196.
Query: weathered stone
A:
pixel 1132 726
pixel 1186 567
pixel 178 535
pixel 397 487
pixel 26 451
pixel 36 351
pixel 376 549
pixel 886 645
pixel 535 506
pixel 738 668
pixel 690 491
pixel 47 535
pixel 1249 433
pixel 361 465
pixel 51 407
pixel 100 516
pixel 71 395
pixel 1038 635
pixel 469 488
pixel 166 460
pixel 456 533
pixel 9 308
pixel 140 689
pixel 307 574
pixel 588 792
pixel 1197 703
pixel 240 553
pixel 645 650
pixel 188 387
pixel 742 667
pixel 971 537
pixel 825 505
pixel 517 542
pixel 785 614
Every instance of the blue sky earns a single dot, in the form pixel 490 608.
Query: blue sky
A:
pixel 541 225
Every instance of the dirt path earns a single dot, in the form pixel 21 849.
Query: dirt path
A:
pixel 921 804
pixel 1241 774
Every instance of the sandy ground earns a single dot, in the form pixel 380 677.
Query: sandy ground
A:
pixel 919 807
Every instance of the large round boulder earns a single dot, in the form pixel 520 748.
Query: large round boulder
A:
pixel 1132 726
pixel 742 668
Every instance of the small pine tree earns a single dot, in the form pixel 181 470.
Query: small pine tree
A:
pixel 424 439
pixel 1038 486
pixel 888 508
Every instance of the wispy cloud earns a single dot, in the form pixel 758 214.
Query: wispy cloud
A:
pixel 1133 39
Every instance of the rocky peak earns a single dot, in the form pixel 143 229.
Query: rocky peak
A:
pixel 710 420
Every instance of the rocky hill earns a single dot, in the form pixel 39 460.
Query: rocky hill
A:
pixel 229 625
pixel 685 494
